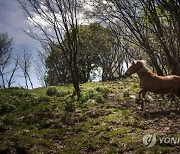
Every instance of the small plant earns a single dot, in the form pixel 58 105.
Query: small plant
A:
pixel 61 93
pixel 126 94
pixel 99 89
pixel 15 88
pixel 52 91
pixel 91 93
pixel 84 98
pixel 98 94
pixel 6 107
pixel 17 93
pixel 99 99
pixel 69 106
pixel 103 90
pixel 125 113
pixel 44 99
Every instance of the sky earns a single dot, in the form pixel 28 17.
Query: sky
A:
pixel 13 21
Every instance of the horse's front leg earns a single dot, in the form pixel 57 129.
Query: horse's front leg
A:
pixel 142 95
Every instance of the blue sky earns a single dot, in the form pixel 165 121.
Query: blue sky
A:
pixel 13 21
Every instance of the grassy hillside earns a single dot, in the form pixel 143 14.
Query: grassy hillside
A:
pixel 105 120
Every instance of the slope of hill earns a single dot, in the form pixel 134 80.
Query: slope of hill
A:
pixel 105 120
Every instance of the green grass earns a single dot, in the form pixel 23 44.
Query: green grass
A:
pixel 51 120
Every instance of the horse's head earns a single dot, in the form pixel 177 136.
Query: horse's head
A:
pixel 135 67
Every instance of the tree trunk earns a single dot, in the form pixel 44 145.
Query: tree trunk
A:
pixel 4 86
pixel 30 81
pixel 153 58
pixel 11 77
pixel 76 77
pixel 75 81
pixel 156 66
pixel 25 77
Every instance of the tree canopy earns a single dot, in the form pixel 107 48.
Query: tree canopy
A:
pixel 95 49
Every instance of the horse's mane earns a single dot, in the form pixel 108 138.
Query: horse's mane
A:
pixel 143 62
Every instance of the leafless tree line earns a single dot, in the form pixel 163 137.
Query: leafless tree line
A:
pixel 11 63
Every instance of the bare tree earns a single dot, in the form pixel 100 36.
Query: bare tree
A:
pixel 151 25
pixel 40 66
pixel 56 20
pixel 25 64
pixel 164 22
pixel 5 48
pixel 5 55
pixel 8 72
pixel 2 74
pixel 15 67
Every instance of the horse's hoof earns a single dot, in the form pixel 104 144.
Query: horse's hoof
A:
pixel 137 101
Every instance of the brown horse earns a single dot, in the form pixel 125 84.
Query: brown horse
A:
pixel 150 82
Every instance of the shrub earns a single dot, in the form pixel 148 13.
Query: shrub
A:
pixel 91 93
pixel 61 93
pixel 69 106
pixel 98 94
pixel 52 91
pixel 84 97
pixel 6 107
pixel 15 88
pixel 99 99
pixel 99 89
pixel 44 99
pixel 103 90
pixel 126 94
pixel 17 93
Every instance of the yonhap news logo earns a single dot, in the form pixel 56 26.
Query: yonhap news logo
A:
pixel 149 140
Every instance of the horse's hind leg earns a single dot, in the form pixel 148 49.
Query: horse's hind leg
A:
pixel 140 94
pixel 172 97
pixel 177 102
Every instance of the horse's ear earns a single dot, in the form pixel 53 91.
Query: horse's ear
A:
pixel 143 61
pixel 134 62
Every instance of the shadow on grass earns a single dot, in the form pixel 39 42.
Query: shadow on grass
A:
pixel 156 114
